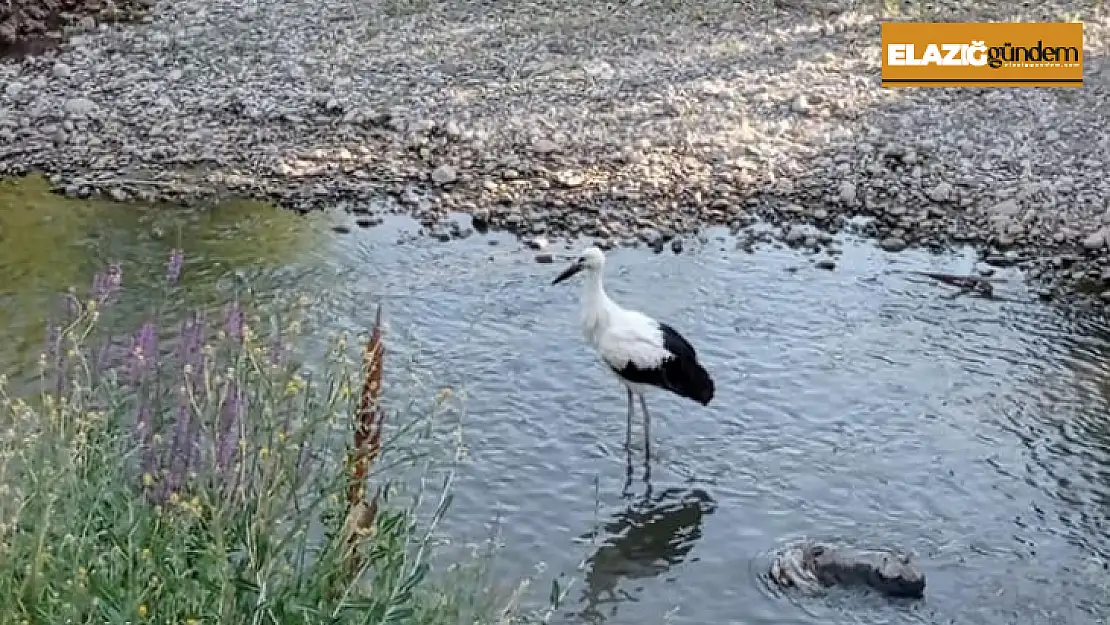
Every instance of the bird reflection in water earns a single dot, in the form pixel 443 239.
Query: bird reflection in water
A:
pixel 654 533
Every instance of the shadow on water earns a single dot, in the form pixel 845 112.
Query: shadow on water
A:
pixel 648 538
pixel 857 403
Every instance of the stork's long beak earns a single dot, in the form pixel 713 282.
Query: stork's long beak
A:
pixel 570 271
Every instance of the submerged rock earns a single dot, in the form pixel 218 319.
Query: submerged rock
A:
pixel 812 566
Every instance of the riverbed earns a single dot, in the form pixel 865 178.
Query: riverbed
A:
pixel 858 404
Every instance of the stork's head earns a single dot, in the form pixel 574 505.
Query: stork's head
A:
pixel 591 260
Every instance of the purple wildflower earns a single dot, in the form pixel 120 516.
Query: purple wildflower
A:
pixel 182 447
pixel 144 349
pixel 53 336
pixel 227 438
pixel 61 371
pixel 103 354
pixel 277 348
pixel 189 350
pixel 55 357
pixel 145 430
pixel 234 323
pixel 173 267
pixel 144 345
pixel 73 305
pixel 107 283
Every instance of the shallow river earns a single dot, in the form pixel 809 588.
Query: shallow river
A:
pixel 856 405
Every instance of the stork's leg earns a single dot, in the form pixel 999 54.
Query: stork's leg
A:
pixel 628 424
pixel 647 429
pixel 627 490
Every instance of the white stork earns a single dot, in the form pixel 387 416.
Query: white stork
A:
pixel 641 351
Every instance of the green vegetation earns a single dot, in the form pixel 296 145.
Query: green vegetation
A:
pixel 197 474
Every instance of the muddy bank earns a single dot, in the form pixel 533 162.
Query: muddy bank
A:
pixel 635 123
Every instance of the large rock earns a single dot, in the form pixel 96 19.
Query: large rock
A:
pixel 812 566
pixel 1097 239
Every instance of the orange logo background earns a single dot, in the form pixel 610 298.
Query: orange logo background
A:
pixel 982 54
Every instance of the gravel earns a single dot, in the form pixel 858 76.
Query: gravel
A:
pixel 634 123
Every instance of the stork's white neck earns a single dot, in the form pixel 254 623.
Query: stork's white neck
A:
pixel 596 307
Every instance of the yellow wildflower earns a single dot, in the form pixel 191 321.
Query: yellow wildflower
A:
pixel 294 385
pixel 148 480
pixel 143 610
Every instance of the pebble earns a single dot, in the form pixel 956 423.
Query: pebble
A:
pixel 942 192
pixel 79 107
pixel 545 146
pixel 795 235
pixel 444 174
pixel 847 192
pixel 892 244
pixel 1096 240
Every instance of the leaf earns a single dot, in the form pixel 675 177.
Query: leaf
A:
pixel 418 574
pixel 399 615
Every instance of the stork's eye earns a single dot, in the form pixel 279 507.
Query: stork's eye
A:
pixel 582 260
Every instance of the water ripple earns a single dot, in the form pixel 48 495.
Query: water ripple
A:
pixel 857 404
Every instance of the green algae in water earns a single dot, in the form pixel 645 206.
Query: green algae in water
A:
pixel 49 243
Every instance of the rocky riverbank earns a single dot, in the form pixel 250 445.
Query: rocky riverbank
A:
pixel 633 122
pixel 34 26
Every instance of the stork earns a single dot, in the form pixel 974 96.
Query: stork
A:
pixel 642 352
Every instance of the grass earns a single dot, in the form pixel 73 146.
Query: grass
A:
pixel 210 482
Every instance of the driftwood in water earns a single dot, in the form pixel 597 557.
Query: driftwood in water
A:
pixel 966 283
